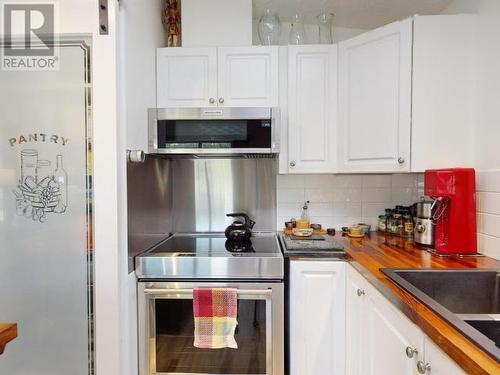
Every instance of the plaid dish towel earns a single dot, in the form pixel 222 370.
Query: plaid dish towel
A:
pixel 214 313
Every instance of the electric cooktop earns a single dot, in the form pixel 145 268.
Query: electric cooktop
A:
pixel 212 256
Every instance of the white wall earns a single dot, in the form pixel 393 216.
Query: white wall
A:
pixel 487 125
pixel 342 200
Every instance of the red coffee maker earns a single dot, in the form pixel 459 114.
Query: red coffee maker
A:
pixel 454 190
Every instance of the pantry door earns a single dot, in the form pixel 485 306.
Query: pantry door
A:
pixel 57 117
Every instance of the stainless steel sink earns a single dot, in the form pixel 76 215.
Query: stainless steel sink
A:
pixel 467 299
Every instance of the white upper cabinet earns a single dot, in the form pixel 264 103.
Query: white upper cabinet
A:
pixel 248 76
pixel 375 70
pixel 226 76
pixel 312 108
pixel 186 77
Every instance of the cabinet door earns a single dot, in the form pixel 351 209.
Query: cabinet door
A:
pixel 388 336
pixel 317 317
pixel 186 77
pixel 439 362
pixel 312 108
pixel 356 315
pixel 375 100
pixel 248 76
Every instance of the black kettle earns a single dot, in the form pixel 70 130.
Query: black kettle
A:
pixel 239 230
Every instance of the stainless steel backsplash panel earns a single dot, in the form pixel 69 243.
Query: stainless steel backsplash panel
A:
pixel 205 190
pixel 149 199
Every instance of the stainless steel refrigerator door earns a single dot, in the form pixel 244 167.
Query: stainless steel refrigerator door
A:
pixel 45 214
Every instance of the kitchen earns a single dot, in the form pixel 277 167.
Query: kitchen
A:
pixel 324 119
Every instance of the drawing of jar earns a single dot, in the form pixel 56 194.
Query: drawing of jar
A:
pixel 29 162
pixel 43 171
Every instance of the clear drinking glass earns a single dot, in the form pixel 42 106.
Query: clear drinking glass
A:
pixel 325 22
pixel 297 32
pixel 269 28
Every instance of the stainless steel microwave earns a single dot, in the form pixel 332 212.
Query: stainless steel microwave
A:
pixel 213 131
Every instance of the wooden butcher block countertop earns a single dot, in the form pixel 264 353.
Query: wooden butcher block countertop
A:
pixel 376 251
pixel 8 332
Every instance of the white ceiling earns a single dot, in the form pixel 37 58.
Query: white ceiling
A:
pixel 362 14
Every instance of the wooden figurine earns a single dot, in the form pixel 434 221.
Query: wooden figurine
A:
pixel 172 22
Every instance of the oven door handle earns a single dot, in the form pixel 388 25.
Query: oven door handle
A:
pixel 188 293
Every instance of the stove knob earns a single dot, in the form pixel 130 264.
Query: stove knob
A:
pixel 420 228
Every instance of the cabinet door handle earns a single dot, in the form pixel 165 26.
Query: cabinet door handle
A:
pixel 401 160
pixel 410 352
pixel 360 292
pixel 423 368
pixel 211 100
pixel 221 100
pixel 292 164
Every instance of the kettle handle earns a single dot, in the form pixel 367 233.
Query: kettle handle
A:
pixel 248 222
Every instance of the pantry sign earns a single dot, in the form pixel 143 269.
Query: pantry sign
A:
pixel 42 188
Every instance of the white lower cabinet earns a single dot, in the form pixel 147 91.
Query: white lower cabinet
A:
pixel 317 316
pixel 439 363
pixel 380 340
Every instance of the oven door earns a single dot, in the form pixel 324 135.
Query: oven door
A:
pixel 166 331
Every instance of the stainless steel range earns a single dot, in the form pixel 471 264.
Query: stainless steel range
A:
pixel 170 271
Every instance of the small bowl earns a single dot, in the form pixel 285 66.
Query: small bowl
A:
pixel 345 229
pixel 303 232
pixel 316 226
pixel 330 231
pixel 289 225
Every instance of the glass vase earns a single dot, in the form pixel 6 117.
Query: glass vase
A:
pixel 325 22
pixel 269 28
pixel 297 32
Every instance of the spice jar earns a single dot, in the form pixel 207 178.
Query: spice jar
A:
pixel 398 227
pixel 382 223
pixel 408 226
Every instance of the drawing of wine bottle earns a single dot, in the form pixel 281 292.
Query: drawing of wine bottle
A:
pixel 61 177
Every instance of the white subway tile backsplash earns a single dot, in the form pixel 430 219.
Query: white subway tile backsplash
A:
pixel 349 209
pixel 488 202
pixel 341 200
pixel 348 181
pixel 489 224
pixel 290 181
pixel 377 180
pixel 376 195
pixel 488 217
pixel 407 180
pixel 320 195
pixel 374 209
pixel 319 181
pixel 290 196
pixel 347 195
pixel 489 245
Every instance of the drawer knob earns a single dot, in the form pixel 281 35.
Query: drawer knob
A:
pixel 221 100
pixel 401 160
pixel 360 292
pixel 292 164
pixel 410 352
pixel 422 367
pixel 211 100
